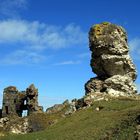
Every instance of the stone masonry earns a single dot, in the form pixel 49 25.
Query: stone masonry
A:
pixel 15 102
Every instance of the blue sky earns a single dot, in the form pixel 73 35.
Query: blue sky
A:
pixel 45 42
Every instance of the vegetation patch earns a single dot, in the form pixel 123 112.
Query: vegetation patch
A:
pixel 116 120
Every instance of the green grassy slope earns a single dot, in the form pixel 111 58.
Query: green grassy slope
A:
pixel 115 121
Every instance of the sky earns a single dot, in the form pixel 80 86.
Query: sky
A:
pixel 45 42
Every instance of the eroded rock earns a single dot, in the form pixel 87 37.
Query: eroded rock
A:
pixel 4 121
pixel 110 61
pixel 66 108
pixel 21 127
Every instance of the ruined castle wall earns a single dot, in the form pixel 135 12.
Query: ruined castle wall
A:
pixel 9 98
pixel 15 102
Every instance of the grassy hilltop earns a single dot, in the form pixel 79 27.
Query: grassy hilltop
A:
pixel 117 120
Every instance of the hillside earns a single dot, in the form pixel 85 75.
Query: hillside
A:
pixel 116 119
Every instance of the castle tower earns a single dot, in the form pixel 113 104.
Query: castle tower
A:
pixel 9 98
pixel 15 102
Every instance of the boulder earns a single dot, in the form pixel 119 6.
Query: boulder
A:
pixel 4 121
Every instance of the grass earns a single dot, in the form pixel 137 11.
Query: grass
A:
pixel 115 121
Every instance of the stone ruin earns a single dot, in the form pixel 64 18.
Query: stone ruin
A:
pixel 15 102
pixel 111 62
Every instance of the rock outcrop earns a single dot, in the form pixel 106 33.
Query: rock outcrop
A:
pixel 3 122
pixel 66 108
pixel 111 62
pixel 15 125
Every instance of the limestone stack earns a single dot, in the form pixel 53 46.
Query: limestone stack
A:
pixel 110 61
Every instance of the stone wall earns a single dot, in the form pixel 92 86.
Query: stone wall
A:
pixel 15 102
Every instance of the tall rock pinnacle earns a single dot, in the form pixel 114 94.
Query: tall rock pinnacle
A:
pixel 110 61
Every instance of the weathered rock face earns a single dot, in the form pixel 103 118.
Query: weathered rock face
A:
pixel 66 107
pixel 3 121
pixel 110 61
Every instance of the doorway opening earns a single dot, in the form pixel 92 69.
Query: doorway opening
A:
pixel 6 109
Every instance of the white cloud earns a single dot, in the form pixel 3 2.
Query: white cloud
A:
pixel 40 35
pixel 134 44
pixel 30 39
pixel 10 8
pixel 15 31
pixel 135 48
pixel 22 57
pixel 67 63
